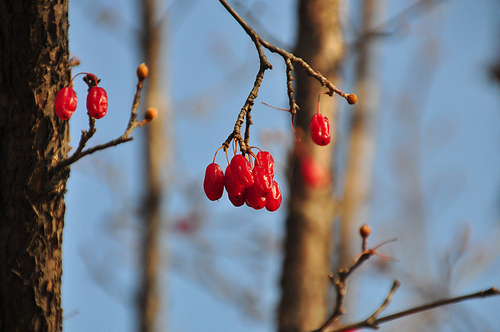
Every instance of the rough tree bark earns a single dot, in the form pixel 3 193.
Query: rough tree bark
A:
pixel 308 243
pixel 33 67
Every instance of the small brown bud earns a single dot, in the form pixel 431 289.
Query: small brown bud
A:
pixel 352 98
pixel 150 114
pixel 142 71
pixel 365 231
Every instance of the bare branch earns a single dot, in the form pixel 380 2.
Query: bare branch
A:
pixel 374 323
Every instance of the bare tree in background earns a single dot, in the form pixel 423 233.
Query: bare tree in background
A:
pixel 308 243
pixel 155 148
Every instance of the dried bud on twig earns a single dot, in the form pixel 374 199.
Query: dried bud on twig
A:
pixel 150 114
pixel 352 98
pixel 142 71
pixel 365 231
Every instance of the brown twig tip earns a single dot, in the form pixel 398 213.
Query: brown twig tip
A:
pixel 142 72
pixel 351 98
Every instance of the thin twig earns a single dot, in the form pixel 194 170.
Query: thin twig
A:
pixel 375 323
pixel 340 284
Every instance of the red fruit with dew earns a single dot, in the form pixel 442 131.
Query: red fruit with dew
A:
pixel 242 170
pixel 65 103
pixel 320 129
pixel 214 182
pixel 97 102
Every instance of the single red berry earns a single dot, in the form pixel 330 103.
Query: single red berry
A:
pixel 97 102
pixel 265 159
pixel 65 103
pixel 254 199
pixel 235 190
pixel 242 170
pixel 313 173
pixel 273 201
pixel 237 201
pixel 320 129
pixel 214 182
pixel 263 181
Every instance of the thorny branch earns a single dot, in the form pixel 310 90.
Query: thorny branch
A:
pixel 289 58
pixel 87 134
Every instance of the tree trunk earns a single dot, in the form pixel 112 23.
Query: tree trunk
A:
pixel 308 243
pixel 33 67
pixel 154 144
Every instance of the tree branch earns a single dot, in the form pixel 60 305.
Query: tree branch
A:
pixel 289 58
pixel 87 134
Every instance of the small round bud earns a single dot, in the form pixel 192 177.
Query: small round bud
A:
pixel 142 72
pixel 352 98
pixel 365 231
pixel 150 114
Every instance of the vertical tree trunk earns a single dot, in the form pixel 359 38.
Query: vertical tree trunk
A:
pixel 308 243
pixel 363 138
pixel 154 146
pixel 33 67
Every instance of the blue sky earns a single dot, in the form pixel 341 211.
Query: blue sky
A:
pixel 209 66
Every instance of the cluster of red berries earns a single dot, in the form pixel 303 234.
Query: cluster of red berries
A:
pixel 97 99
pixel 254 186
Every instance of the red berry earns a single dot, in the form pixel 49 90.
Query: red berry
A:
pixel 214 182
pixel 65 103
pixel 265 159
pixel 242 170
pixel 237 201
pixel 235 190
pixel 263 180
pixel 273 201
pixel 313 173
pixel 97 102
pixel 254 199
pixel 320 129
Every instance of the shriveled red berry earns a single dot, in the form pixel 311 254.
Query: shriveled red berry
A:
pixel 242 170
pixel 263 181
pixel 65 103
pixel 97 102
pixel 214 182
pixel 273 201
pixel 254 199
pixel 320 129
pixel 235 190
pixel 266 160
